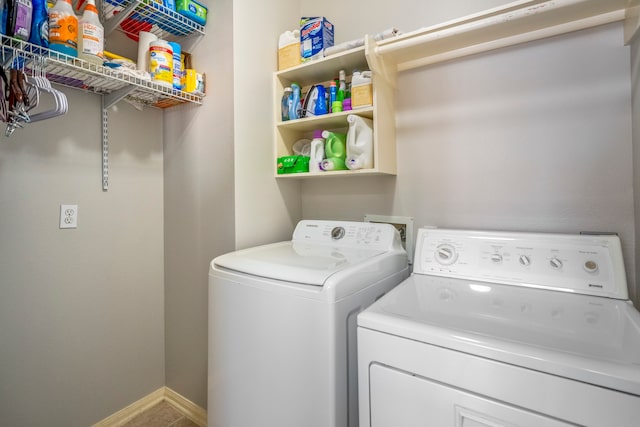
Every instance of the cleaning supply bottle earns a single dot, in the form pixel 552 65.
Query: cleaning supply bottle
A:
pixel 91 35
pixel 359 143
pixel 289 49
pixel 4 10
pixel 361 90
pixel 333 91
pixel 294 105
pixel 19 17
pixel 63 28
pixel 40 24
pixel 285 103
pixel 317 151
pixel 342 89
pixel 321 101
pixel 335 151
pixel 176 67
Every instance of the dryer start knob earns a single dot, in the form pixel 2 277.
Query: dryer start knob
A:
pixel 446 254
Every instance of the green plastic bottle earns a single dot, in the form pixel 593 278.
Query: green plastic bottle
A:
pixel 335 151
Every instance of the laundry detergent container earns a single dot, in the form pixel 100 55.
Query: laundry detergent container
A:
pixel 282 324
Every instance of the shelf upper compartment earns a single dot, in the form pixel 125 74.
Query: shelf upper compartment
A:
pixel 133 16
pixel 320 70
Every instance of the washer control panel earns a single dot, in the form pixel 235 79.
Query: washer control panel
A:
pixel 587 264
pixel 348 234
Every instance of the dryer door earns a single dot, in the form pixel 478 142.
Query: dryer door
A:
pixel 402 399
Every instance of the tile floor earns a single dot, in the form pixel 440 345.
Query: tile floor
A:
pixel 160 415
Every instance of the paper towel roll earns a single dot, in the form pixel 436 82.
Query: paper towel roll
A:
pixel 145 38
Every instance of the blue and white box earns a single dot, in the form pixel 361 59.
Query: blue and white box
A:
pixel 316 34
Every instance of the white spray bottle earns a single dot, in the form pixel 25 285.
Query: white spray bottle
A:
pixel 317 151
pixel 359 143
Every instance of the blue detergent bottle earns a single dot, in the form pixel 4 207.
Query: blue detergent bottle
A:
pixel 286 97
pixel 295 106
pixel 321 101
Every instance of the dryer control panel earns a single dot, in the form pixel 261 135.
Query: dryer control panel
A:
pixel 586 264
pixel 348 234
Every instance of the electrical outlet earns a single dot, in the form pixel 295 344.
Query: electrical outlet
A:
pixel 68 216
pixel 403 224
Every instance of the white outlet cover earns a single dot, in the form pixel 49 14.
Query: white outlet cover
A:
pixel 68 216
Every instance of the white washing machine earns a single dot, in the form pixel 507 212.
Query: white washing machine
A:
pixel 503 329
pixel 282 324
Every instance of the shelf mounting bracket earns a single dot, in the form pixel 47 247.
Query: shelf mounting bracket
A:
pixel 108 100
pixel 378 64
pixel 105 146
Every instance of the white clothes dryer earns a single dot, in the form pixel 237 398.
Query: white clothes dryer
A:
pixel 282 324
pixel 503 329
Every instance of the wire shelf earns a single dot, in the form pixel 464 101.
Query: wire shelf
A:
pixel 133 16
pixel 79 74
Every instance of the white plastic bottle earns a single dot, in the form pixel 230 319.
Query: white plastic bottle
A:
pixel 359 143
pixel 361 89
pixel 91 35
pixel 317 151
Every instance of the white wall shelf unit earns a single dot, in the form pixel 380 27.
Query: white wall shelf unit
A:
pixel 130 17
pixel 514 23
pixel 323 71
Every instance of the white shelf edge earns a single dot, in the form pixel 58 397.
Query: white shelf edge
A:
pixel 333 174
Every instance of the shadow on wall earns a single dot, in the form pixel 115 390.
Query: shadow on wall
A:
pixel 81 128
pixel 348 198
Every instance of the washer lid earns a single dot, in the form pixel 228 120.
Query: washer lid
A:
pixel 304 263
pixel 591 339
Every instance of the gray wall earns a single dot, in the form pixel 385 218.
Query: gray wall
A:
pixel 266 209
pixel 635 83
pixel 81 310
pixel 199 205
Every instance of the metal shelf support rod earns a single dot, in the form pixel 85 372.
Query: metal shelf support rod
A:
pixel 105 146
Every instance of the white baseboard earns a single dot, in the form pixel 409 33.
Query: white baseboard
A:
pixel 186 407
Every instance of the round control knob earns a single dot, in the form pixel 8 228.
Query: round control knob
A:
pixel 524 260
pixel 337 233
pixel 591 267
pixel 446 254
pixel 496 258
pixel 555 263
